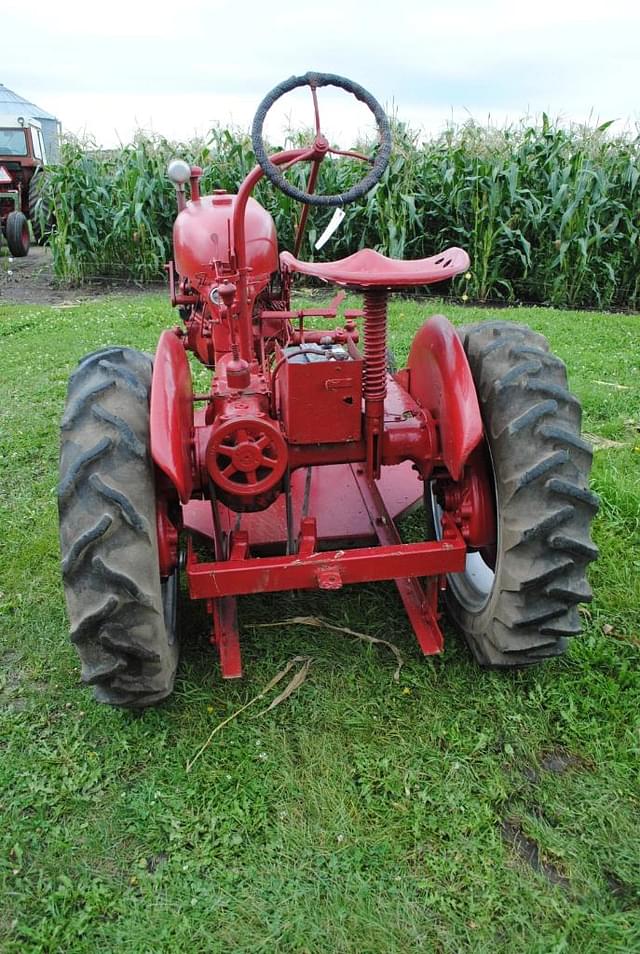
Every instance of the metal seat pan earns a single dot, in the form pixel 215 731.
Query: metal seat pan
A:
pixel 367 268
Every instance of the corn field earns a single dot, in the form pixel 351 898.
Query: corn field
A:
pixel 547 214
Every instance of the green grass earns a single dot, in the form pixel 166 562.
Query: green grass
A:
pixel 359 816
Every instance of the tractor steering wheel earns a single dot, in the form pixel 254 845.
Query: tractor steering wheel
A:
pixel 321 147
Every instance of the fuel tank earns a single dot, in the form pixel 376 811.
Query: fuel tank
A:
pixel 201 236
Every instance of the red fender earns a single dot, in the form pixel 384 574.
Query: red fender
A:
pixel 440 381
pixel 171 426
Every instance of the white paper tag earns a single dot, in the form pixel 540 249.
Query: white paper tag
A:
pixel 336 219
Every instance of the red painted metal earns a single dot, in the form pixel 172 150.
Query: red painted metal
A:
pixel 421 604
pixel 440 381
pixel 296 473
pixel 472 501
pixel 194 182
pixel 226 637
pixel 304 214
pixel 375 379
pixel 19 170
pixel 333 386
pixel 233 577
pixel 228 403
pixel 171 414
pixel 168 536
pixel 409 431
pixel 247 457
pixel 330 493
pixel 238 237
pixel 201 235
pixel 367 268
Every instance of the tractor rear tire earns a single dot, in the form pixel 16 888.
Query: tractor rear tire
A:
pixel 40 214
pixel 17 234
pixel 122 615
pixel 544 507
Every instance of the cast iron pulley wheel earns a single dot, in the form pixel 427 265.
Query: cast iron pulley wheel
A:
pixel 321 147
pixel 17 234
pixel 122 614
pixel 247 457
pixel 517 604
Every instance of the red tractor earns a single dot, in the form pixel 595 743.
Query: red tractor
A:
pixel 292 469
pixel 22 160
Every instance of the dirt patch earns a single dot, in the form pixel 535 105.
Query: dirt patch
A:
pixel 624 895
pixel 30 281
pixel 9 658
pixel 12 679
pixel 544 816
pixel 557 762
pixel 527 849
pixel 156 861
pixel 16 689
pixel 12 704
pixel 530 774
pixel 560 761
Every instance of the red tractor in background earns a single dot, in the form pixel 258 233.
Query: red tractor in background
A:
pixel 292 469
pixel 22 160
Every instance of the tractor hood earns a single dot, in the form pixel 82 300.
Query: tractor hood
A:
pixel 201 236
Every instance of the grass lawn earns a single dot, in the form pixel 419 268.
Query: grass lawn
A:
pixel 453 811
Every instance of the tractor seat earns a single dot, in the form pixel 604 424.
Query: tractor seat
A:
pixel 368 268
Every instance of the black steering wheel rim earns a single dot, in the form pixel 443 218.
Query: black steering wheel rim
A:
pixel 315 80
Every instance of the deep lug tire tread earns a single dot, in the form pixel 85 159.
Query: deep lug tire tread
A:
pixel 109 548
pixel 545 507
pixel 40 214
pixel 16 227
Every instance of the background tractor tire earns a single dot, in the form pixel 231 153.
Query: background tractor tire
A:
pixel 122 615
pixel 17 234
pixel 544 506
pixel 40 214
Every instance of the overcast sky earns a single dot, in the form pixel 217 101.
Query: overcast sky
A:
pixel 109 68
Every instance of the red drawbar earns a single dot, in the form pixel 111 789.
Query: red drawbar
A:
pixel 308 571
pixel 368 268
